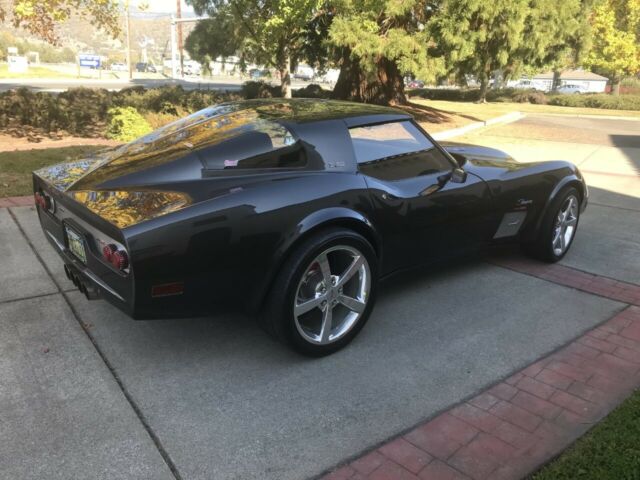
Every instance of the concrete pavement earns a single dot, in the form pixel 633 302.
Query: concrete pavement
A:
pixel 216 398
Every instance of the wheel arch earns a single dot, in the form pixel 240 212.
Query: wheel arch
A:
pixel 310 225
pixel 573 180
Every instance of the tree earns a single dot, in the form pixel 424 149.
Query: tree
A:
pixel 267 32
pixel 40 16
pixel 616 39
pixel 478 37
pixel 378 42
pixel 556 36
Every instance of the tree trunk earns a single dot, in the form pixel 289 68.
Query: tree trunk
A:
pixel 484 87
pixel 555 83
pixel 285 77
pixel 384 87
pixel 616 87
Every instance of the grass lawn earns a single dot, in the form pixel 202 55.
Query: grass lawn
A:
pixel 16 167
pixel 33 72
pixel 610 451
pixel 485 111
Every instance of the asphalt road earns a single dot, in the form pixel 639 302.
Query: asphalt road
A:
pixel 216 398
pixel 59 85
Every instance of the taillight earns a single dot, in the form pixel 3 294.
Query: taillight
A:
pixel 44 201
pixel 120 259
pixel 107 252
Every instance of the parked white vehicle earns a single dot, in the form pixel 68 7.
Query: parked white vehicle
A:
pixel 118 67
pixel 572 89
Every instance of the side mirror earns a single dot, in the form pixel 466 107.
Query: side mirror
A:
pixel 458 175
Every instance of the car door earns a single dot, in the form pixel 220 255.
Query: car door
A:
pixel 422 213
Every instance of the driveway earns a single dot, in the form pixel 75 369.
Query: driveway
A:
pixel 87 392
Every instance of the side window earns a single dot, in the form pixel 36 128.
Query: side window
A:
pixel 395 151
pixel 256 146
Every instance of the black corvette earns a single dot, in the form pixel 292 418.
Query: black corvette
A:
pixel 293 209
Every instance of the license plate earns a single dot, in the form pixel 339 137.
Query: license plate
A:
pixel 76 244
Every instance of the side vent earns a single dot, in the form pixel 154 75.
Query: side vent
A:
pixel 510 224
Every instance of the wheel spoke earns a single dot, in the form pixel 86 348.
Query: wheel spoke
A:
pixel 304 307
pixel 351 303
pixel 350 271
pixel 325 268
pixel 327 319
pixel 571 222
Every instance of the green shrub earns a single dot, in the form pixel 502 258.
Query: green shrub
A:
pixel 604 101
pixel 530 96
pixel 312 90
pixel 126 124
pixel 251 90
pixel 448 94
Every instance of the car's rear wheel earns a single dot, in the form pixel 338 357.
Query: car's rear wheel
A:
pixel 558 228
pixel 324 293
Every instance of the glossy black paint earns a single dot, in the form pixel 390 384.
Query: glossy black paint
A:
pixel 225 233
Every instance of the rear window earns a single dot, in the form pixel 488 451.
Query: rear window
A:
pixel 259 144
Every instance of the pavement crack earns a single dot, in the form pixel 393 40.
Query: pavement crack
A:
pixel 130 400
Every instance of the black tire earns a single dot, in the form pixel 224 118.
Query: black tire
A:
pixel 278 318
pixel 541 248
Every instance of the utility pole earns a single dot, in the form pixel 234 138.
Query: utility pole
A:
pixel 179 16
pixel 128 30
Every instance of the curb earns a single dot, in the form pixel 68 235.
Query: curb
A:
pixel 502 119
pixel 585 115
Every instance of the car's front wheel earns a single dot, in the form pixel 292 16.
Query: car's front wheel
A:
pixel 558 227
pixel 324 293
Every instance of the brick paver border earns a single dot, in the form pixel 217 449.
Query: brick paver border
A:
pixel 16 201
pixel 519 424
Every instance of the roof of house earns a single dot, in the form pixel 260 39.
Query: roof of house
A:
pixel 572 75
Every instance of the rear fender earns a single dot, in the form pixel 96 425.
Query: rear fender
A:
pixel 328 217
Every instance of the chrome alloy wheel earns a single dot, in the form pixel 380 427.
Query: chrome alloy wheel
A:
pixel 564 227
pixel 332 294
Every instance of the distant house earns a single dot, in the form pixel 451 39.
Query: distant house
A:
pixel 543 81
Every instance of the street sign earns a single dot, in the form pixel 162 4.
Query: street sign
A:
pixel 92 61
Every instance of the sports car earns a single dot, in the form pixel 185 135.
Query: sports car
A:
pixel 292 211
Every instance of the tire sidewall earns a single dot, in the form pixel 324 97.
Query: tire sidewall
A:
pixel 302 260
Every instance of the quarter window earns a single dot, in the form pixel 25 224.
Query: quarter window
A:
pixel 397 150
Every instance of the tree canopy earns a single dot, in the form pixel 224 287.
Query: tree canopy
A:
pixel 39 17
pixel 616 39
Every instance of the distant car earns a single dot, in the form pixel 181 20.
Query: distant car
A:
pixel 292 209
pixel 526 85
pixel 572 89
pixel 118 67
pixel 141 67
pixel 151 68
pixel 192 68
pixel 257 74
pixel 415 84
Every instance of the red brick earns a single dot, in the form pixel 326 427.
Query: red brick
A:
pixel 571 425
pixel 481 419
pixel 391 471
pixel 574 404
pixel 588 393
pixel 601 345
pixel 535 368
pixel 480 457
pixel 610 385
pixel 503 391
pixel 406 455
pixel 554 379
pixel 484 401
pixel 6 202
pixel 599 333
pixel 23 201
pixel 535 387
pixel 569 371
pixel 536 405
pixel 438 470
pixel 344 473
pixel 632 332
pixel 628 354
pixel 368 463
pixel 516 415
pixel 513 379
pixel 625 342
pixel 581 350
pixel 616 324
pixel 442 436
pixel 513 435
